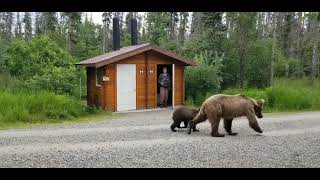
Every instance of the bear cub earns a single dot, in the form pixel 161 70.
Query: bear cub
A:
pixel 183 114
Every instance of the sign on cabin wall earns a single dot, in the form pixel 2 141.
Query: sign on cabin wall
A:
pixel 105 78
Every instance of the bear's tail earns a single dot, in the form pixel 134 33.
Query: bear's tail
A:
pixel 200 117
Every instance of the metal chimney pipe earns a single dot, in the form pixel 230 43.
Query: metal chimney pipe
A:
pixel 134 32
pixel 116 34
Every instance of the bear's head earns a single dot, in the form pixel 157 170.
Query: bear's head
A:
pixel 258 108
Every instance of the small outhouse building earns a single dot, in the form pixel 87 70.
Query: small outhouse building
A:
pixel 126 78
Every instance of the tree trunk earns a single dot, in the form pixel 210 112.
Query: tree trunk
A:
pixel 274 42
pixel 314 61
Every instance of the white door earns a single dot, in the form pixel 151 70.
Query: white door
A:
pixel 126 87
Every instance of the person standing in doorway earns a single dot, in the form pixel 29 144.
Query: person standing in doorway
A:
pixel 165 81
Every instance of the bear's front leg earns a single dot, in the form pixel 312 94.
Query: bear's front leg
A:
pixel 227 125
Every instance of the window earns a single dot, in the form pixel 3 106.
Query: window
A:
pixel 99 75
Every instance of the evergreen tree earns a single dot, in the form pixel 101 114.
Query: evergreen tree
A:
pixel 27 26
pixel 18 29
pixel 74 21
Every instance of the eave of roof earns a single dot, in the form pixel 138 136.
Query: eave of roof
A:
pixel 126 52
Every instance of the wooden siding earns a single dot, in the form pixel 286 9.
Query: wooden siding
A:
pixel 110 87
pixel 146 83
pixel 178 85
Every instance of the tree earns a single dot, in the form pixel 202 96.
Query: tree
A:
pixel 18 29
pixel 196 23
pixel 37 24
pixel 74 21
pixel 183 25
pixel 27 26
pixel 50 22
pixel 287 39
pixel 245 30
pixel 106 19
pixel 173 24
pixel 315 30
pixel 8 20
pixel 157 26
pixel 275 18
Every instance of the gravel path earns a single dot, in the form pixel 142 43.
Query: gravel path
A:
pixel 144 139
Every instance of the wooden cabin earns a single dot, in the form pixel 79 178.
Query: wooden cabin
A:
pixel 126 79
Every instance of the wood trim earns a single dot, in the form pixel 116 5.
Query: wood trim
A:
pixel 146 78
pixel 173 85
pixel 111 58
pixel 115 88
pixel 155 84
pixel 183 85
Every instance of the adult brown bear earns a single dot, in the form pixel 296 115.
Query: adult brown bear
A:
pixel 228 107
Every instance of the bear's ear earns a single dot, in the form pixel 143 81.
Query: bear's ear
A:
pixel 261 102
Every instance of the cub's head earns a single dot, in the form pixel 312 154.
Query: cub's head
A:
pixel 258 106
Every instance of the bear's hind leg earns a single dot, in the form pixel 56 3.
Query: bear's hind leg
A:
pixel 185 124
pixel 194 129
pixel 227 125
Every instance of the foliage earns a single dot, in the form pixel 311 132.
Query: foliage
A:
pixel 42 64
pixel 26 105
pixel 205 78
pixel 286 95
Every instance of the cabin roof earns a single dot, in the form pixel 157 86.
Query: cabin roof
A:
pixel 129 51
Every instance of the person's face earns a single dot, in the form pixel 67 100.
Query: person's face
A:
pixel 164 70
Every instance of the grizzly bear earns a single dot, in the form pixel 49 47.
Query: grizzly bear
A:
pixel 228 107
pixel 183 114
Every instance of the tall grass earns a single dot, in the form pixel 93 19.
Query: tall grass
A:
pixel 283 95
pixel 30 107
pixel 23 105
pixel 286 95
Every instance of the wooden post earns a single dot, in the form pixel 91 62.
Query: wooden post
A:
pixel 173 84
pixel 80 88
pixel 146 79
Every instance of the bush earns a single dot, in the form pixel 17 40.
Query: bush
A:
pixel 44 65
pixel 204 79
pixel 258 71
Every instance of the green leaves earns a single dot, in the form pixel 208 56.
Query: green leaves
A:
pixel 204 79
pixel 42 64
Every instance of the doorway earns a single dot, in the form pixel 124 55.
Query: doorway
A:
pixel 170 92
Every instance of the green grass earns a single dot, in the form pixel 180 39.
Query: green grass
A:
pixel 286 95
pixel 25 108
pixel 100 116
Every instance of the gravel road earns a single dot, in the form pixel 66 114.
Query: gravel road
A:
pixel 144 139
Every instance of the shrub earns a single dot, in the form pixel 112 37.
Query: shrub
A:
pixel 205 78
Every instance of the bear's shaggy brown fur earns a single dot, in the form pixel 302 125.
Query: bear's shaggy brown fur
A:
pixel 183 114
pixel 228 107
